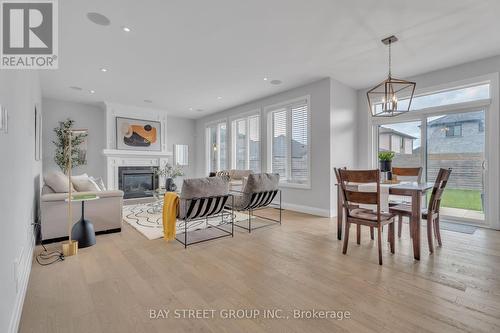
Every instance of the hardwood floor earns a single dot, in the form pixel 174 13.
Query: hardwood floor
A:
pixel 112 286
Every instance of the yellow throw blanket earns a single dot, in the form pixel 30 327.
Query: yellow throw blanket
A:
pixel 170 209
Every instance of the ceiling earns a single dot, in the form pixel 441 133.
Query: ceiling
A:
pixel 212 55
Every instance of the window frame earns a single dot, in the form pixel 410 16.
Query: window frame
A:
pixel 245 116
pixel 288 105
pixel 208 126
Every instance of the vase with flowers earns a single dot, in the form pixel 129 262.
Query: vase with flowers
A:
pixel 170 172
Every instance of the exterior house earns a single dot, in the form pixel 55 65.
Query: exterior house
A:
pixel 398 142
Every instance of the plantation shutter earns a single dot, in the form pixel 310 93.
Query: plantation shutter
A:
pixel 280 143
pixel 254 143
pixel 299 145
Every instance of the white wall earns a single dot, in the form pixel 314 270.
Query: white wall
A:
pixel 329 116
pixel 19 191
pixel 183 131
pixel 343 134
pixel 87 116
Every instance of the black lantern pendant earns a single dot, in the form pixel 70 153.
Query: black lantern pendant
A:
pixel 392 96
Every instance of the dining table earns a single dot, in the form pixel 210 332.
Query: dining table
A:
pixel 413 190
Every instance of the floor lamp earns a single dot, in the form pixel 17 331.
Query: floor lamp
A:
pixel 70 247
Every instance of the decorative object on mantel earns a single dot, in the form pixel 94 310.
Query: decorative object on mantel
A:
pixel 70 247
pixel 3 119
pixel 170 172
pixel 385 160
pixel 181 155
pixel 78 144
pixel 392 96
pixel 137 134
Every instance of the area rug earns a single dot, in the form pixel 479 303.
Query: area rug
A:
pixel 144 218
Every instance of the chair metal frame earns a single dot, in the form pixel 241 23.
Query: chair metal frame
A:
pixel 193 218
pixel 258 201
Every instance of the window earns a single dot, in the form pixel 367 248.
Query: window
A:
pixel 216 146
pixel 246 143
pixel 289 143
pixel 404 140
pixel 448 97
pixel 453 130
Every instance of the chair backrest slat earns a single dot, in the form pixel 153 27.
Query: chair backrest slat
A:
pixel 438 190
pixel 364 198
pixel 205 207
pixel 408 172
pixel 359 176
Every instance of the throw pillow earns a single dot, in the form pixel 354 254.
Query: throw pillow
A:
pixel 58 182
pixel 82 183
pixel 99 182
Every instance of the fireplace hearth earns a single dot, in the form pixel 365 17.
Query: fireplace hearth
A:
pixel 137 182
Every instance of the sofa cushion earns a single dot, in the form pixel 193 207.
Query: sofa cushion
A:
pixel 58 182
pixel 99 182
pixel 83 183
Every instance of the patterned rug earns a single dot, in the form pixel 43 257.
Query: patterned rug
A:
pixel 148 220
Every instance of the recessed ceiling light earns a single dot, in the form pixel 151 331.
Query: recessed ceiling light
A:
pixel 98 18
pixel 220 97
pixel 76 88
pixel 190 109
pixel 265 79
pixel 276 82
pixel 104 69
pixel 126 29
pixel 91 91
pixel 148 101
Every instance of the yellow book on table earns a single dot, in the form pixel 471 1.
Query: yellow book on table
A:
pixel 170 209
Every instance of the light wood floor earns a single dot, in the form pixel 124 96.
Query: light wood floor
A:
pixel 112 286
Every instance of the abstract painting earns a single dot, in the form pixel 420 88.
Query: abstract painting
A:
pixel 136 134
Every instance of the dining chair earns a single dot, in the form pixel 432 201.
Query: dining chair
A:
pixel 431 214
pixel 406 174
pixel 363 216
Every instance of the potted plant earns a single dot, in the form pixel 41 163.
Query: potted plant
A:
pixel 385 160
pixel 170 172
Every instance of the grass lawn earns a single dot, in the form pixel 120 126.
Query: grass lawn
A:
pixel 465 199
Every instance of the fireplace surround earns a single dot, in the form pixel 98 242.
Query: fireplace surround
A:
pixel 137 181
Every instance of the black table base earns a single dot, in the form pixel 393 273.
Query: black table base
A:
pixel 83 231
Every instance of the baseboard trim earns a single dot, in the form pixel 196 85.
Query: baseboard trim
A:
pixel 65 238
pixel 25 264
pixel 306 209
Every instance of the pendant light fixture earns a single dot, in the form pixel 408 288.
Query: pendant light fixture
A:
pixel 392 96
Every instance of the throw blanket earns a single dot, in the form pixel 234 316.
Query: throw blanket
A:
pixel 170 209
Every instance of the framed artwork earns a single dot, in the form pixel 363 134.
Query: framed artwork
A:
pixel 137 134
pixel 38 133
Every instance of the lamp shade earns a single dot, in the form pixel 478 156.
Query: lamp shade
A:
pixel 391 97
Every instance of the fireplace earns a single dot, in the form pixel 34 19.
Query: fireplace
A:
pixel 137 182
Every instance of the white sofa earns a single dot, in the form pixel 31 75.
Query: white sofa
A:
pixel 105 213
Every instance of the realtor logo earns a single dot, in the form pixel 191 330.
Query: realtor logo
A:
pixel 29 34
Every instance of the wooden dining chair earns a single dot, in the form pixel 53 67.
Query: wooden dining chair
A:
pixel 362 216
pixel 414 174
pixel 431 214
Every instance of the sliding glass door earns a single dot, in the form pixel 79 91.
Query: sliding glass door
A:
pixel 457 141
pixel 404 139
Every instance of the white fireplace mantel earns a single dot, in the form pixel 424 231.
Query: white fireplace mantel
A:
pixel 137 153
pixel 118 158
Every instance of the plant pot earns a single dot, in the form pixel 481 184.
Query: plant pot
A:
pixel 170 185
pixel 385 166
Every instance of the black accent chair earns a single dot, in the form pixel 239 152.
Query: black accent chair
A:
pixel 259 192
pixel 202 211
